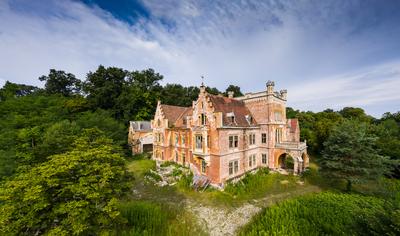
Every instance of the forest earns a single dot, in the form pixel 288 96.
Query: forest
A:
pixel 66 167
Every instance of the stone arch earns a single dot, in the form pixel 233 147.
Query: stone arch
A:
pixel 288 162
pixel 306 159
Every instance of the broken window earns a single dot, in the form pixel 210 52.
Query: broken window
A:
pixel 233 141
pixel 203 166
pixel 263 138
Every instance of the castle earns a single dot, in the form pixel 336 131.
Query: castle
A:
pixel 222 138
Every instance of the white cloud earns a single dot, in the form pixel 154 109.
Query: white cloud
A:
pixel 309 49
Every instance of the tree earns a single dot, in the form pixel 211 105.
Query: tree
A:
pixel 10 90
pixel 74 193
pixel 235 89
pixel 355 113
pixel 388 142
pixel 104 86
pixel 350 154
pixel 60 82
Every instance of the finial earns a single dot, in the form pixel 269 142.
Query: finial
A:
pixel 202 81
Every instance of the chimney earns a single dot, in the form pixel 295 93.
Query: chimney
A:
pixel 270 87
pixel 230 94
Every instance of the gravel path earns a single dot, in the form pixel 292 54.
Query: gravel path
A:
pixel 226 221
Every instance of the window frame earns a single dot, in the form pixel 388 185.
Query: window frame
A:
pixel 233 141
pixel 263 138
pixel 200 141
pixel 264 158
pixel 203 166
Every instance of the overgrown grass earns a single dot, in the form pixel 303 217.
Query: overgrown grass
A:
pixel 149 218
pixel 252 186
pixel 260 184
pixel 322 214
pixel 141 166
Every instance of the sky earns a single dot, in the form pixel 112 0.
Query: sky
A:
pixel 327 54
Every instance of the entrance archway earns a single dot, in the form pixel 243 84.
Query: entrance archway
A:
pixel 306 160
pixel 286 162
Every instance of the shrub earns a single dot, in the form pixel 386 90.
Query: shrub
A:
pixel 167 163
pixel 317 214
pixel 153 175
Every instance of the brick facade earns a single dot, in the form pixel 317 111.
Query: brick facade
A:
pixel 224 137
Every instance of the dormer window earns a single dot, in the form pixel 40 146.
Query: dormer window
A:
pixel 249 119
pixel 231 117
pixel 158 123
pixel 184 121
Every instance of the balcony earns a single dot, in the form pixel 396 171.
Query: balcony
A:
pixel 291 145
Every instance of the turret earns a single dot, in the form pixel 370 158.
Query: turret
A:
pixel 202 88
pixel 283 94
pixel 270 87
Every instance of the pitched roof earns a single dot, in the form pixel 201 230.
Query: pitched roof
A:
pixel 231 105
pixel 172 113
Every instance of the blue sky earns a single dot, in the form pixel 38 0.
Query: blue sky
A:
pixel 328 54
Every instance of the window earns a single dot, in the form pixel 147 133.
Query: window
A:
pixel 278 116
pixel 233 167
pixel 263 138
pixel 203 166
pixel 252 160
pixel 264 158
pixel 176 139
pixel 252 139
pixel 278 135
pixel 158 123
pixel 176 157
pixel 236 166
pixel 162 155
pixel 232 119
pixel 183 137
pixel 184 121
pixel 199 142
pixel 233 141
pixel 203 119
pixel 183 158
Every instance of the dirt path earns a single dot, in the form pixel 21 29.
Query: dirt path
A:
pixel 224 221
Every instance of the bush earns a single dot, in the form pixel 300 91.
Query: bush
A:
pixel 153 175
pixel 167 163
pixel 318 214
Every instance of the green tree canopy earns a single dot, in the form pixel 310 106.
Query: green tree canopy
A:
pixel 60 82
pixel 350 154
pixel 74 193
pixel 235 89
pixel 10 90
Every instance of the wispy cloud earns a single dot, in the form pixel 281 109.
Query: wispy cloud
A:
pixel 341 52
